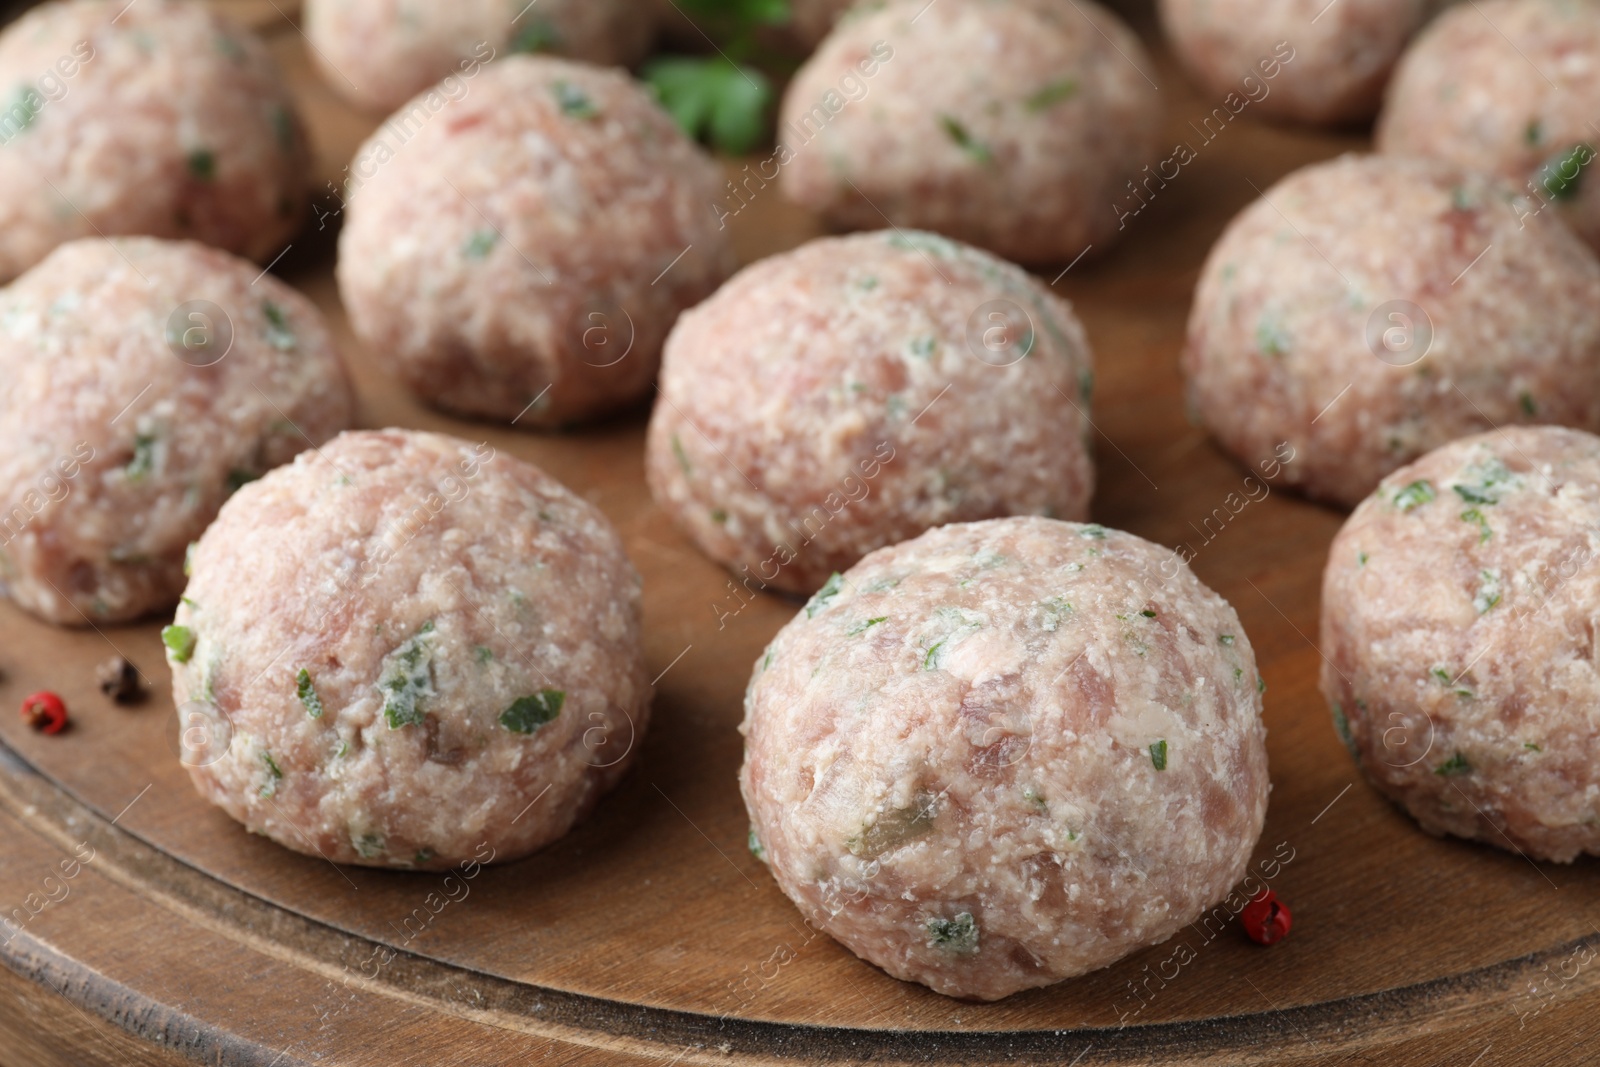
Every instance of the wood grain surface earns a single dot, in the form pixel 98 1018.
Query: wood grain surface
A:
pixel 649 934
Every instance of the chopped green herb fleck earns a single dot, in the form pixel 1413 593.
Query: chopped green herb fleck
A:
pixel 1489 591
pixel 181 640
pixel 574 102
pixel 1158 755
pixel 1490 481
pixel 423 855
pixel 862 627
pixel 958 935
pixel 1474 515
pixel 1361 558
pixel 1032 795
pixel 24 108
pixel 342 750
pixel 1415 495
pixel 192 605
pixel 1051 95
pixel 239 478
pixel 1525 399
pixel 683 457
pixel 1148 613
pixel 274 775
pixel 308 694
pixel 1094 531
pixel 1052 611
pixel 407 680
pixel 1531 746
pixel 767 662
pixel 754 844
pixel 1533 132
pixel 719 516
pixel 964 140
pixel 369 845
pixel 203 164
pixel 144 457
pixel 1261 684
pixel 1561 174
pixel 483 652
pixel 1227 639
pixel 188 560
pixel 923 347
pixel 480 244
pixel 1456 764
pixel 527 714
pixel 825 595
pixel 279 335
pixel 1271 336
pixel 932 659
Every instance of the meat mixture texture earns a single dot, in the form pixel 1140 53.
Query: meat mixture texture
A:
pixel 1511 87
pixel 145 381
pixel 380 53
pixel 1368 309
pixel 519 253
pixel 414 647
pixel 1006 753
pixel 1013 125
pixel 858 390
pixel 1340 56
pixel 163 118
pixel 1459 611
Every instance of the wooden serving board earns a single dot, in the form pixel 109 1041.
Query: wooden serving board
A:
pixel 649 934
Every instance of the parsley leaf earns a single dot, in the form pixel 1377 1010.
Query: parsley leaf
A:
pixel 527 714
pixel 714 100
pixel 181 640
pixel 308 694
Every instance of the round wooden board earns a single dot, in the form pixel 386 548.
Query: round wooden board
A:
pixel 649 934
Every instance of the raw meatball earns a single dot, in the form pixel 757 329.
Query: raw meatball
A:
pixel 413 651
pixel 1511 87
pixel 145 381
pixel 380 53
pixel 1007 753
pixel 1296 60
pixel 1368 309
pixel 162 118
pixel 858 390
pixel 1458 629
pixel 1014 126
pixel 522 254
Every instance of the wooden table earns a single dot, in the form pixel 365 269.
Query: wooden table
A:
pixel 649 935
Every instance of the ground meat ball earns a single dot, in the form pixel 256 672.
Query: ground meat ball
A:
pixel 167 119
pixel 424 651
pixel 1013 126
pixel 380 53
pixel 1007 753
pixel 519 253
pixel 1316 307
pixel 1512 87
pixel 1331 60
pixel 130 412
pixel 1458 626
pixel 841 397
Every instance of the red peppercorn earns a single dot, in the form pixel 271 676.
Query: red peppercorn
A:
pixel 45 712
pixel 1266 918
